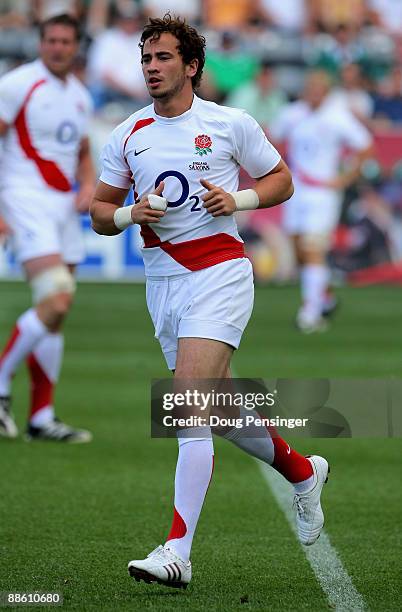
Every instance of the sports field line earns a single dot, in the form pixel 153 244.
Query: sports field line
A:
pixel 322 556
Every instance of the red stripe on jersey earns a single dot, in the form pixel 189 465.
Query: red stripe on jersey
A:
pixel 41 386
pixel 308 180
pixel 137 126
pixel 49 170
pixel 199 253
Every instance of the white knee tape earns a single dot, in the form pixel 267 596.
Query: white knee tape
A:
pixel 52 281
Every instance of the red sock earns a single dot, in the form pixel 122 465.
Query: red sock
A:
pixel 293 466
pixel 41 386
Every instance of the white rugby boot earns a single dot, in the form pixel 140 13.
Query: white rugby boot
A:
pixel 307 325
pixel 163 566
pixel 309 514
pixel 57 431
pixel 8 428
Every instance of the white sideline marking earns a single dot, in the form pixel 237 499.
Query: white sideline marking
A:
pixel 322 556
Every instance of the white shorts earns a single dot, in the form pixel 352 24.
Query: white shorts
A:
pixel 43 224
pixel 312 211
pixel 214 303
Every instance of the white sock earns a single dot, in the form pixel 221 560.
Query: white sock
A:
pixel 193 475
pixel 314 280
pixel 254 440
pixel 28 330
pixel 44 366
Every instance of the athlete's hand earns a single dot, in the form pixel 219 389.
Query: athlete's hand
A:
pixel 217 201
pixel 143 213
pixel 84 197
pixel 339 183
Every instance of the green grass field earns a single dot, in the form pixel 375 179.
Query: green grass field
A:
pixel 72 517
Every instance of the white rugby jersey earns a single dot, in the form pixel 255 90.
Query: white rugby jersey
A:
pixel 48 118
pixel 207 141
pixel 316 138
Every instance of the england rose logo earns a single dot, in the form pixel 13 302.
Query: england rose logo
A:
pixel 203 144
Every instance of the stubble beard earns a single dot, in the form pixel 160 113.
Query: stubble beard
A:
pixel 168 95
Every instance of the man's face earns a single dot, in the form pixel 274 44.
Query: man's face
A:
pixel 58 49
pixel 163 68
pixel 316 89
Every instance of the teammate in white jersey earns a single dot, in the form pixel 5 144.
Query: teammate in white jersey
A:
pixel 317 132
pixel 44 112
pixel 183 156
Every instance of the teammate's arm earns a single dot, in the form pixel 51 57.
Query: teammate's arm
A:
pixel 108 199
pixel 85 177
pixel 272 189
pixel 354 170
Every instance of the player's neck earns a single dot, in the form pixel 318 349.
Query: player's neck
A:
pixel 62 76
pixel 175 106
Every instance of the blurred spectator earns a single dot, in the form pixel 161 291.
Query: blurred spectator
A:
pixel 289 16
pixel 268 246
pixel 328 15
pixel 189 9
pixel 44 9
pixel 367 240
pixel 100 11
pixel 260 97
pixel 351 93
pixel 229 66
pixel 114 63
pixel 330 51
pixel 230 14
pixel 388 99
pixel 15 14
pixel 387 14
pixel 18 40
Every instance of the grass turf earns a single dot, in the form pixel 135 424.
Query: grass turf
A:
pixel 71 517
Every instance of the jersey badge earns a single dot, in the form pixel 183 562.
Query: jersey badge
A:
pixel 203 144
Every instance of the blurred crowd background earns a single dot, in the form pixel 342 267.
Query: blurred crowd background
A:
pixel 258 52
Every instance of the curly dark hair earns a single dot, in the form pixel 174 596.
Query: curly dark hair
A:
pixel 191 44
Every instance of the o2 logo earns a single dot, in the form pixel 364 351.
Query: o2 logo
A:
pixel 185 190
pixel 67 132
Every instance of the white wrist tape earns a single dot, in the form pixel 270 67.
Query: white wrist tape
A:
pixel 122 217
pixel 246 199
pixel 157 202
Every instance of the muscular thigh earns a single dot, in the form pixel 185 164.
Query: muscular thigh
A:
pixel 202 358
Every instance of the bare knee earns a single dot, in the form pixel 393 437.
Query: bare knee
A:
pixel 54 309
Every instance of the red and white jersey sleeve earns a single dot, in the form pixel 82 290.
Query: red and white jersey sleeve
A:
pixel 208 141
pixel 48 118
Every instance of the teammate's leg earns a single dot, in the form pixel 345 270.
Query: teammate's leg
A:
pixel 311 252
pixel 27 331
pixel 37 335
pixel 30 328
pixel 44 364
